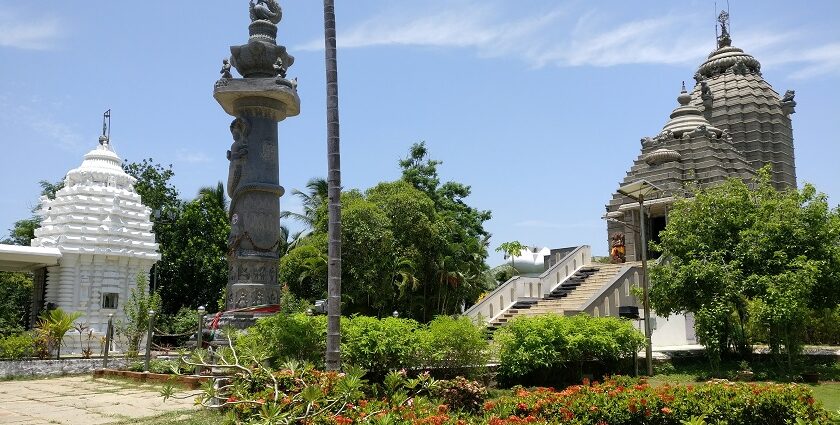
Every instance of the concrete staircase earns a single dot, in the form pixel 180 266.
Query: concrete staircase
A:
pixel 571 295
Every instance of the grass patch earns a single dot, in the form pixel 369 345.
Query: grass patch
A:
pixel 829 394
pixel 181 417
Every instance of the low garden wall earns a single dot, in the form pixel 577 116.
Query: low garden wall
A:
pixel 22 368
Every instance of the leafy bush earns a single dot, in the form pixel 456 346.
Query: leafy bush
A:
pixel 537 349
pixel 184 321
pixel 379 345
pixel 454 345
pixel 282 337
pixel 18 346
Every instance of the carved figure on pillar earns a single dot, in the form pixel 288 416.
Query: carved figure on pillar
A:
pixel 617 249
pixel 258 101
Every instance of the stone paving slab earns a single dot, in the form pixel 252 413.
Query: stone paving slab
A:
pixel 82 400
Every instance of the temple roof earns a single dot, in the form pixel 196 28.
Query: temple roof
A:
pixel 687 117
pixel 726 57
pixel 97 211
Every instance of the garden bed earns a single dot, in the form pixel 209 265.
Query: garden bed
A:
pixel 189 381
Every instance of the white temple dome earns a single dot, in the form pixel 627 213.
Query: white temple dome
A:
pixel 98 211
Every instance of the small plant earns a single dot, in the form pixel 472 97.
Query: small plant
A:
pixel 461 393
pixel 137 314
pixel 54 325
pixel 84 330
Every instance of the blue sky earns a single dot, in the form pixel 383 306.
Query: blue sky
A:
pixel 538 105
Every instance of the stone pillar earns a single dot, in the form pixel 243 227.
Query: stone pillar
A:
pixel 258 101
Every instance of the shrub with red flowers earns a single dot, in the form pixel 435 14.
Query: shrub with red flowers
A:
pixel 300 394
pixel 624 401
pixel 461 394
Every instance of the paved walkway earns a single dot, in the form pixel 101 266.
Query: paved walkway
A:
pixel 82 400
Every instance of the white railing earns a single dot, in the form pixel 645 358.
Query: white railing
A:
pixel 523 288
pixel 613 294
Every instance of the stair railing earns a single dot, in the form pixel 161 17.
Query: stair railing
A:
pixel 519 288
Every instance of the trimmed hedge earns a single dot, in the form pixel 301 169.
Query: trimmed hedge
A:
pixel 551 349
pixel 450 345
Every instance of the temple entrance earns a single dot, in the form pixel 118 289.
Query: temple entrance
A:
pixel 657 225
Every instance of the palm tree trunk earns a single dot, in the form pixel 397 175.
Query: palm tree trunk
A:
pixel 333 357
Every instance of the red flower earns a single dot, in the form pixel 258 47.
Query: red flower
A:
pixel 442 408
pixel 666 410
pixel 567 414
pixel 489 405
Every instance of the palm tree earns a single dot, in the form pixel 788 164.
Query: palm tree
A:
pixel 312 200
pixel 216 193
pixel 333 357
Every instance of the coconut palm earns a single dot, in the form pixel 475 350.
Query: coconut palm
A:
pixel 311 201
pixel 216 193
pixel 333 357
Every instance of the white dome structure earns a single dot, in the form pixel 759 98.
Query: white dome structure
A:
pixel 531 260
pixel 104 235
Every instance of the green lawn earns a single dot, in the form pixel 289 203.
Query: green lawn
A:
pixel 829 394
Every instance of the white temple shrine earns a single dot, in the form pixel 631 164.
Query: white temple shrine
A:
pixel 95 239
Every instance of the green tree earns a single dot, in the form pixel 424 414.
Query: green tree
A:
pixel 154 184
pixel 401 251
pixel 193 268
pixel 738 250
pixel 511 249
pixel 23 231
pixel 15 302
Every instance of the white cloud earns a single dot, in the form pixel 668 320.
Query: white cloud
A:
pixel 811 62
pixel 38 118
pixel 593 39
pixel 191 157
pixel 26 32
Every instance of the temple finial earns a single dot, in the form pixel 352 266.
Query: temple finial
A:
pixel 105 138
pixel 724 40
pixel 683 88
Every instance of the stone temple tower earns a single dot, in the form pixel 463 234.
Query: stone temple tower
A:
pixel 258 101
pixel 731 124
pixel 734 97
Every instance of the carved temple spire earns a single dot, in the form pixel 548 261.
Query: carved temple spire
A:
pixel 105 138
pixel 724 40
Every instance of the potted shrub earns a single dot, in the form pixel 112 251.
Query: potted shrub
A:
pixel 745 372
